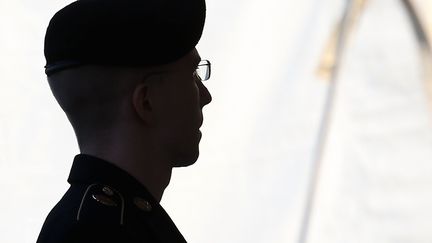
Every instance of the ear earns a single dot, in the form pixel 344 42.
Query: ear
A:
pixel 142 102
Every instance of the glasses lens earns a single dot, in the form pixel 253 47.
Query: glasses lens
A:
pixel 203 70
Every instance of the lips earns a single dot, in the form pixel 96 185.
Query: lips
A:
pixel 201 123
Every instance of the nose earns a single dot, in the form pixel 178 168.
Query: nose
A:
pixel 205 96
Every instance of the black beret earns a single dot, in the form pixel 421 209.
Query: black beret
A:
pixel 123 32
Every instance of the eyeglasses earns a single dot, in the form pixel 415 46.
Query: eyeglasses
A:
pixel 204 70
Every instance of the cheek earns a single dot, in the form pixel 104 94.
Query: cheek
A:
pixel 187 96
pixel 181 107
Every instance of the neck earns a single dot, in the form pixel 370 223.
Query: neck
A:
pixel 153 172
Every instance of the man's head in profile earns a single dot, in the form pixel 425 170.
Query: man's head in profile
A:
pixel 130 82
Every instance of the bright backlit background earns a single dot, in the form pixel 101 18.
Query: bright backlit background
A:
pixel 275 106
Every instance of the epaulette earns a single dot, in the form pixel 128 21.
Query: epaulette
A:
pixel 103 204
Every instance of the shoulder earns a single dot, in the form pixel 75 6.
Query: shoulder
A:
pixel 93 203
pixel 86 213
pixel 100 204
pixel 106 204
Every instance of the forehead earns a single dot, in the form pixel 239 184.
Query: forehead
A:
pixel 194 55
pixel 190 60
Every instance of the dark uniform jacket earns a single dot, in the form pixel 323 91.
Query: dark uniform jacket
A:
pixel 104 204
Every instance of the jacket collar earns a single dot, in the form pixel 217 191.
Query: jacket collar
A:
pixel 87 169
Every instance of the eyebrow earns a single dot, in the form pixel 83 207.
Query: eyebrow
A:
pixel 197 61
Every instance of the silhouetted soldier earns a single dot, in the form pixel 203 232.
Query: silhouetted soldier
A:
pixel 128 77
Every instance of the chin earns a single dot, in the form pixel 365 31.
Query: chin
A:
pixel 186 159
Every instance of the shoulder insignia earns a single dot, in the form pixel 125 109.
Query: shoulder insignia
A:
pixel 103 204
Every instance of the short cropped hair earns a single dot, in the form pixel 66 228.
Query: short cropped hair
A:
pixel 91 96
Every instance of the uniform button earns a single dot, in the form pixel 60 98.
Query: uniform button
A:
pixel 104 200
pixel 108 191
pixel 142 204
